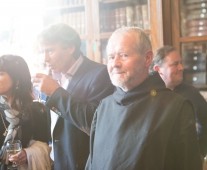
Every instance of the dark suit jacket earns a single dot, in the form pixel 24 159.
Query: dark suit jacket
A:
pixel 90 83
pixel 200 106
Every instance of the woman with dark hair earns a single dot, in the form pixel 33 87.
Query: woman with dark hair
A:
pixel 20 117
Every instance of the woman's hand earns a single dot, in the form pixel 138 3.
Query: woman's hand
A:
pixel 20 158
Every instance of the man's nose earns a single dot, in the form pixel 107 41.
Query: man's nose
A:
pixel 180 66
pixel 45 57
pixel 117 60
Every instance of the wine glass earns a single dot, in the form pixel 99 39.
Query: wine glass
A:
pixel 12 148
pixel 44 69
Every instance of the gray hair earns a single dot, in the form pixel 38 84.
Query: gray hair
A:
pixel 63 34
pixel 160 55
pixel 143 43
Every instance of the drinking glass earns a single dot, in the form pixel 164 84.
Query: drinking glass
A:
pixel 42 68
pixel 13 147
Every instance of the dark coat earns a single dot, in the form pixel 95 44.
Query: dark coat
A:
pixel 147 128
pixel 90 83
pixel 200 106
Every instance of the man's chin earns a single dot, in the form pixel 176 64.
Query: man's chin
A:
pixel 55 71
pixel 179 81
pixel 117 82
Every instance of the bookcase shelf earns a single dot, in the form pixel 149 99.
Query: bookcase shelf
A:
pixel 112 1
pixel 66 7
pixel 193 39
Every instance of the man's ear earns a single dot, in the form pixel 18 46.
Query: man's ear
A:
pixel 70 49
pixel 149 57
pixel 156 68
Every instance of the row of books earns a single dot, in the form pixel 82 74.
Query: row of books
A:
pixel 195 57
pixel 68 3
pixel 73 2
pixel 75 20
pixel 195 22
pixel 194 60
pixel 112 18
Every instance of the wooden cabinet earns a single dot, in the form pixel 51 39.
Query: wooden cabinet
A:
pixel 187 31
pixel 95 20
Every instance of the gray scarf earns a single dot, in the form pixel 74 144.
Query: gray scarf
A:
pixel 13 117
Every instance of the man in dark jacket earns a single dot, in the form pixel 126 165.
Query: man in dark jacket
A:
pixel 80 77
pixel 168 63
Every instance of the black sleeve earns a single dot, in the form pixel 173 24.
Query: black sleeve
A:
pixel 187 155
pixel 40 128
pixel 81 113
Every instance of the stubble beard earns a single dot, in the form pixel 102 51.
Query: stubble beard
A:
pixel 119 81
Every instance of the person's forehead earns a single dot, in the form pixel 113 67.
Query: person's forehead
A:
pixel 123 42
pixel 174 55
pixel 124 36
pixel 47 45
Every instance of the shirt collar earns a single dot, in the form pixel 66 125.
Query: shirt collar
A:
pixel 71 71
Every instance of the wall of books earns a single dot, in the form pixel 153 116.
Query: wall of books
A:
pixel 194 36
pixel 194 60
pixel 194 18
pixel 124 13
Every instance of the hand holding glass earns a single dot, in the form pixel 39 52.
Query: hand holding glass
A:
pixel 43 69
pixel 12 148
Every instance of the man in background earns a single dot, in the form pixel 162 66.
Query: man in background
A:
pixel 81 78
pixel 168 63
